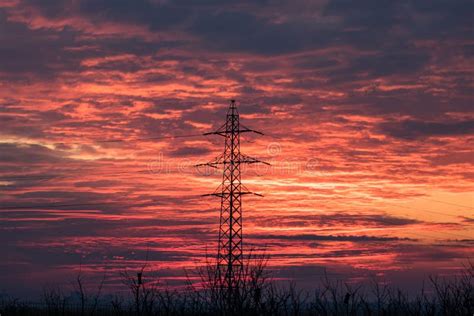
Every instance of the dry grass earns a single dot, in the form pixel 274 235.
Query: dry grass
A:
pixel 258 295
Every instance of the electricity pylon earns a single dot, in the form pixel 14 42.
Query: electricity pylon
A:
pixel 229 257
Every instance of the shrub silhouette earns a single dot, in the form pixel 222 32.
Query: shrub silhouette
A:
pixel 258 294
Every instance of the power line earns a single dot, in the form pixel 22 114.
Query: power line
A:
pixel 7 208
pixel 440 213
pixel 118 140
pixel 422 210
pixel 56 206
pixel 438 232
pixel 446 233
pixel 147 138
pixel 448 203
pixel 78 173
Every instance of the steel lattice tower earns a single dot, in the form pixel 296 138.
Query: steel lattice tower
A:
pixel 229 257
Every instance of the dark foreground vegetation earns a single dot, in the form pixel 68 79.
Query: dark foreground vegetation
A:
pixel 258 295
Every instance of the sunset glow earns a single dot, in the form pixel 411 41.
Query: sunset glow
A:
pixel 367 112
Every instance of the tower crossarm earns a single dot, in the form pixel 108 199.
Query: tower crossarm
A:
pixel 223 195
pixel 224 133
pixel 251 160
pixel 241 160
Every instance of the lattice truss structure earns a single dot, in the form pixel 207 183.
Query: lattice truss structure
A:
pixel 230 192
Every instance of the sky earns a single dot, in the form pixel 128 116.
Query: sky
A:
pixel 366 107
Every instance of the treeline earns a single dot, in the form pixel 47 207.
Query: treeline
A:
pixel 257 295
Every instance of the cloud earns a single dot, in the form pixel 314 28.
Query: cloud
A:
pixel 338 219
pixel 155 15
pixel 49 55
pixel 366 91
pixel 97 183
pixel 313 237
pixel 453 158
pixel 412 129
pixel 189 151
pixel 410 253
pixel 468 220
pixel 242 31
pixel 394 61
pixel 29 154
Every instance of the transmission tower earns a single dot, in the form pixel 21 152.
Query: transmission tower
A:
pixel 229 257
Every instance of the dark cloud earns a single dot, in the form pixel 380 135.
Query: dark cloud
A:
pixel 468 220
pixel 97 183
pixel 410 253
pixel 50 8
pixel 447 18
pixel 49 53
pixel 412 129
pixel 373 16
pixel 29 154
pixel 252 26
pixel 340 218
pixel 165 127
pixel 243 31
pixel 391 62
pixel 312 237
pixel 380 21
pixel 453 158
pixel 157 16
pixel 188 151
pixel 374 219
pixel 34 52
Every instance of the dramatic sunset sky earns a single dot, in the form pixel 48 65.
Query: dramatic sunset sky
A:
pixel 367 107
